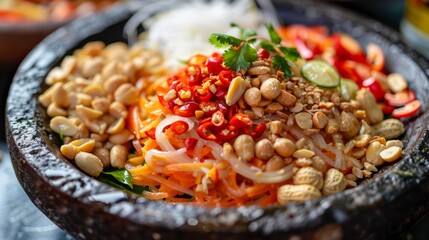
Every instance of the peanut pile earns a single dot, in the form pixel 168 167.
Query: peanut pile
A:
pixel 355 128
pixel 88 99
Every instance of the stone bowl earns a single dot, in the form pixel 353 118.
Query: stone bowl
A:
pixel 88 209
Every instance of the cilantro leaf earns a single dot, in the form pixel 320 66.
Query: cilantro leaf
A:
pixel 274 36
pixel 122 175
pixel 282 64
pixel 245 32
pixel 291 54
pixel 222 40
pixel 241 58
pixel 268 46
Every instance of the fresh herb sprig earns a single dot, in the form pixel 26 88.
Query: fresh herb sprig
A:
pixel 241 52
pixel 121 178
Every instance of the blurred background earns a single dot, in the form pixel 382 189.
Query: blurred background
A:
pixel 24 23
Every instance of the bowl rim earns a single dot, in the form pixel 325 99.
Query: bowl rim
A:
pixel 171 216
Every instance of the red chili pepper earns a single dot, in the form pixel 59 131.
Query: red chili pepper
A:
pixel 208 108
pixel 162 100
pixel 186 110
pixel 205 131
pixel 400 99
pixel 151 133
pixel 214 65
pixel 240 120
pixel 218 118
pixel 408 110
pixel 201 95
pixel 386 108
pixel 190 143
pixel 375 56
pixel 179 127
pixel 194 74
pixel 221 93
pixel 225 77
pixel 222 107
pixel 232 110
pixel 374 87
pixel 226 133
pixel 263 54
pixel 257 131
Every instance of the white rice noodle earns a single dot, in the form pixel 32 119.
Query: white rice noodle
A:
pixel 171 185
pixel 171 157
pixel 234 192
pixel 247 171
pixel 162 140
pixel 190 24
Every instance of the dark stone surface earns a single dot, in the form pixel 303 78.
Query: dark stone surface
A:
pixel 86 208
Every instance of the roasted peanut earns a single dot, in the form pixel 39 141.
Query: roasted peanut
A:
pixel 296 193
pixel 264 149
pixel 396 82
pixel 258 70
pixel 116 127
pixel 397 143
pixel 126 94
pixel 286 99
pixel 244 146
pixel 89 163
pixel 303 153
pixel 284 147
pixel 276 127
pixel 118 156
pixel 349 124
pixel 391 154
pixel 309 176
pixel 373 153
pixel 362 140
pixel 235 90
pixel 318 164
pixel 270 88
pixel 303 162
pixel 369 104
pixel 63 126
pixel 332 126
pixel 54 110
pixel 104 156
pixel 334 182
pixel 304 120
pixel 320 120
pixel 253 96
pixel 390 128
pixel 121 137
pixel 275 163
pixel 273 107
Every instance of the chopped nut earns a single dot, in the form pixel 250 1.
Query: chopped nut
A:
pixel 258 70
pixel 304 120
pixel 320 120
pixel 396 82
pixel 286 99
pixel 284 147
pixel 303 162
pixel 392 143
pixel 303 153
pixel 357 172
pixel 310 176
pixel 296 193
pixel 273 108
pixel 235 90
pixel 244 146
pixel 369 104
pixel 253 96
pixel 373 153
pixel 275 163
pixel 391 154
pixel 370 167
pixel 264 149
pixel 276 127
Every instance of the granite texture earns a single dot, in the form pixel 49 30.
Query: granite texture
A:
pixel 89 209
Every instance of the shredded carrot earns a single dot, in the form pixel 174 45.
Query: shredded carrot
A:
pixel 136 160
pixel 186 167
pixel 257 189
pixel 155 195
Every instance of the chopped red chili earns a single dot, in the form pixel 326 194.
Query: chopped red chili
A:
pixel 225 77
pixel 186 110
pixel 240 120
pixel 218 118
pixel 201 95
pixel 214 65
pixel 226 133
pixel 190 143
pixel 257 131
pixel 151 133
pixel 205 131
pixel 179 127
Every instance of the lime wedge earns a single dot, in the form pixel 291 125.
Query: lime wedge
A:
pixel 320 73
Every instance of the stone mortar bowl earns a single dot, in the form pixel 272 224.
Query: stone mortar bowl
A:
pixel 88 209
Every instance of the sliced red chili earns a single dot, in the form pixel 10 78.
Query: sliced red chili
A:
pixel 225 77
pixel 179 127
pixel 400 99
pixel 221 93
pixel 218 118
pixel 201 95
pixel 386 108
pixel 151 133
pixel 205 131
pixel 162 100
pixel 374 87
pixel 214 65
pixel 240 120
pixel 257 131
pixel 190 143
pixel 233 110
pixel 208 108
pixel 408 110
pixel 226 133
pixel 194 74
pixel 187 109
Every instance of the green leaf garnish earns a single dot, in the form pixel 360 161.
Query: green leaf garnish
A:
pixel 245 32
pixel 121 175
pixel 241 58
pixel 275 38
pixel 241 52
pixel 222 40
pixel 282 64
pixel 291 54
pixel 114 179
